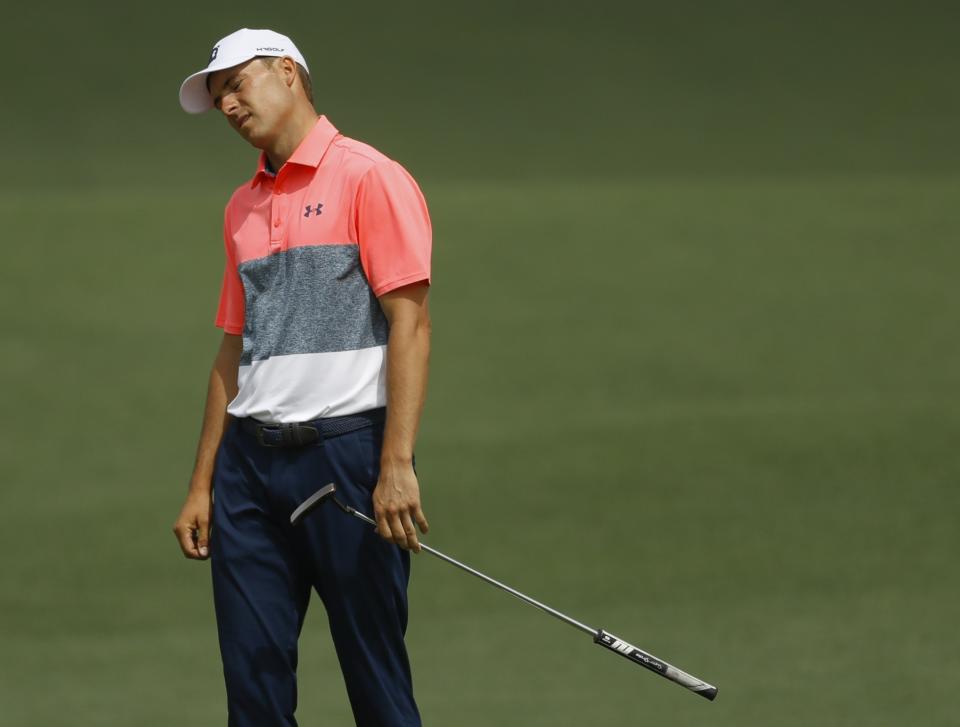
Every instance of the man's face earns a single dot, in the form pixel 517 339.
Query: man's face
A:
pixel 255 98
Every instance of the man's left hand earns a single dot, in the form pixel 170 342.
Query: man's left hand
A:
pixel 396 506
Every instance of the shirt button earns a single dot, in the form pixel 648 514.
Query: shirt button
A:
pixel 276 223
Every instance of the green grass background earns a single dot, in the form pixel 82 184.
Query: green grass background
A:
pixel 695 370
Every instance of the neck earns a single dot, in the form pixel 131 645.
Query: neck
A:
pixel 294 131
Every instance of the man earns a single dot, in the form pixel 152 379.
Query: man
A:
pixel 320 377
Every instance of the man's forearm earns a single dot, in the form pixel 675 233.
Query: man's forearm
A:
pixel 408 354
pixel 221 389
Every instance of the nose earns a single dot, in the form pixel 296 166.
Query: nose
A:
pixel 228 104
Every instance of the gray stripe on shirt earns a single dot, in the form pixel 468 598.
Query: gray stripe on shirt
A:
pixel 313 299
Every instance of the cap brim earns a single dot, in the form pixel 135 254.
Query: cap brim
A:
pixel 194 96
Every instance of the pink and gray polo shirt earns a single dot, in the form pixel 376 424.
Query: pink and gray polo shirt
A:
pixel 308 252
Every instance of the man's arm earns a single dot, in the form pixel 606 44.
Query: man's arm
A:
pixel 396 499
pixel 192 527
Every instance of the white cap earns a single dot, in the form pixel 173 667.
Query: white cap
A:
pixel 236 48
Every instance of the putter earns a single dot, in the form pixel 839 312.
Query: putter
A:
pixel 604 638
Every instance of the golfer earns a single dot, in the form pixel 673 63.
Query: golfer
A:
pixel 320 377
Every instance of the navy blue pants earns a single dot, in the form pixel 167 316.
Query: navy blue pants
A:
pixel 264 569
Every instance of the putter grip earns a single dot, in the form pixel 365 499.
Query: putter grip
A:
pixel 658 666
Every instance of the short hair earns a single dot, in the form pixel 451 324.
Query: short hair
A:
pixel 301 72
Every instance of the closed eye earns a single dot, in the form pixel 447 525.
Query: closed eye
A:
pixel 232 83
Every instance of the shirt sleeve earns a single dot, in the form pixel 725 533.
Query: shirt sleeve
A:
pixel 230 311
pixel 393 228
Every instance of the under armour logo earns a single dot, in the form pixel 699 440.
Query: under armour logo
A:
pixel 316 211
pixel 213 54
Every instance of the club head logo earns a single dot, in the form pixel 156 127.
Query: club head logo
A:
pixel 213 54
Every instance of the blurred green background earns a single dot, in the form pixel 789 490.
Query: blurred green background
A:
pixel 695 368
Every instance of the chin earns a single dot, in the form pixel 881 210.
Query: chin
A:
pixel 259 140
pixel 252 138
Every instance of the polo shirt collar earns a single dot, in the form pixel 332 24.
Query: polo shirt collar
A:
pixel 309 153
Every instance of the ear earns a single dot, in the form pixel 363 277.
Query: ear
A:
pixel 288 70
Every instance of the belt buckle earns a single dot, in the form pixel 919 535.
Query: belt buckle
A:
pixel 288 435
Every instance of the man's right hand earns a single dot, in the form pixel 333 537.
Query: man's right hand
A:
pixel 192 527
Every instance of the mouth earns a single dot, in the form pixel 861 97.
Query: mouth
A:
pixel 242 121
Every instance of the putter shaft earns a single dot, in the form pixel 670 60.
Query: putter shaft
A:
pixel 601 637
pixel 492 581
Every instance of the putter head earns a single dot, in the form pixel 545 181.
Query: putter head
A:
pixel 315 500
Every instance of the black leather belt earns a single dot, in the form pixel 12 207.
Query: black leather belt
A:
pixel 302 434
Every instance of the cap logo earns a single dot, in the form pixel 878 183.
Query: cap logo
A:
pixel 277 50
pixel 213 54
